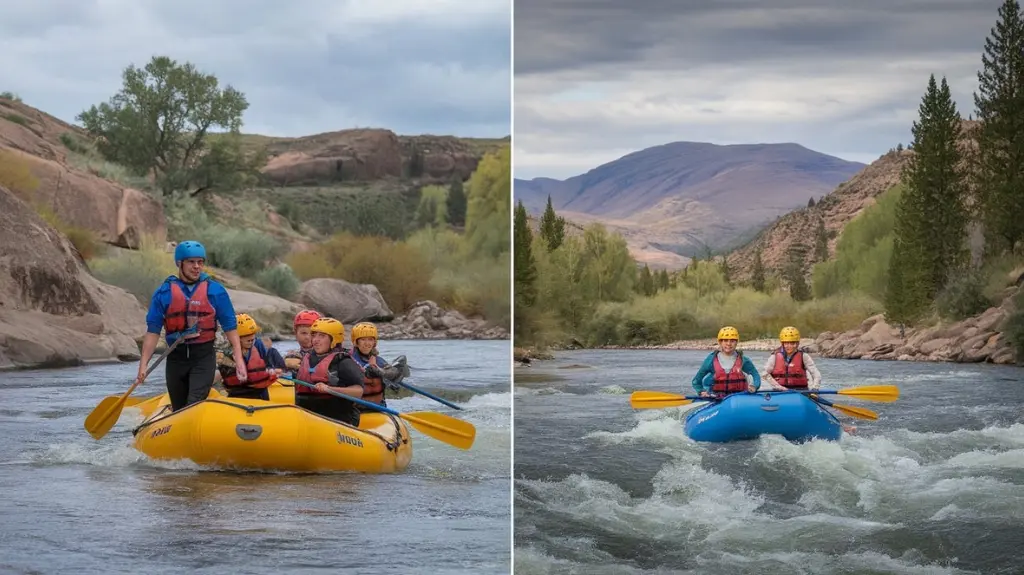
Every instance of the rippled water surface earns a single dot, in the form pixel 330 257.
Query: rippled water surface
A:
pixel 73 504
pixel 935 486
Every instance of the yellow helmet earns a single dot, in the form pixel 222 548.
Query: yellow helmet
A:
pixel 246 325
pixel 331 327
pixel 364 329
pixel 789 334
pixel 728 332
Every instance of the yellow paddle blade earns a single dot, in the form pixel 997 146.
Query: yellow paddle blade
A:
pixel 136 399
pixel 103 417
pixel 656 400
pixel 454 432
pixel 880 393
pixel 858 412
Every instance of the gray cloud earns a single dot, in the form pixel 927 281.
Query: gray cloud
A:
pixel 595 80
pixel 307 66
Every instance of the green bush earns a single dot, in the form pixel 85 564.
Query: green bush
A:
pixel 963 296
pixel 139 272
pixel 279 280
pixel 245 252
pixel 74 143
pixel 10 96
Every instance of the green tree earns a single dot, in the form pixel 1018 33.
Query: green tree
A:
pixel 810 202
pixel 432 208
pixel 159 122
pixel 645 284
pixel 796 273
pixel 930 230
pixel 456 202
pixel 552 227
pixel 663 280
pixel 757 275
pixel 489 201
pixel 821 241
pixel 525 266
pixel 999 104
pixel 724 266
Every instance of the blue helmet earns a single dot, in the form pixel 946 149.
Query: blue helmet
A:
pixel 187 250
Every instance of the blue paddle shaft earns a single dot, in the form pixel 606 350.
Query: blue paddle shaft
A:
pixel 773 392
pixel 355 400
pixel 427 394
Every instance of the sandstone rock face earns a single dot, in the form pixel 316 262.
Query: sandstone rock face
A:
pixel 116 214
pixel 344 301
pixel 52 312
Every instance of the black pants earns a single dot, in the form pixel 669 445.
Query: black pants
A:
pixel 245 392
pixel 190 371
pixel 329 406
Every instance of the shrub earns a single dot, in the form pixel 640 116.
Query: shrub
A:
pixel 963 296
pixel 242 251
pixel 279 280
pixel 1013 327
pixel 139 272
pixel 10 96
pixel 16 175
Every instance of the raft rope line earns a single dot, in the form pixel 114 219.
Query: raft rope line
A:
pixel 250 409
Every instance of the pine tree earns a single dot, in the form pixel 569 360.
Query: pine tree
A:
pixel 821 242
pixel 552 227
pixel 930 230
pixel 645 285
pixel 795 273
pixel 525 268
pixel 999 104
pixel 810 202
pixel 456 202
pixel 663 280
pixel 757 275
pixel 724 267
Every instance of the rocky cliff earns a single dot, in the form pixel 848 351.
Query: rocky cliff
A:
pixel 52 312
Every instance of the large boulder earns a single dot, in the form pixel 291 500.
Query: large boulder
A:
pixel 427 320
pixel 344 301
pixel 52 312
pixel 79 196
pixel 273 314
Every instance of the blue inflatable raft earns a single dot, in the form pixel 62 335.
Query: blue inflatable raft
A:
pixel 749 415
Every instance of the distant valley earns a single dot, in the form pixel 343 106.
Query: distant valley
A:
pixel 670 201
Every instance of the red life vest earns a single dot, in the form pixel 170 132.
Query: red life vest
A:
pixel 182 311
pixel 318 374
pixel 256 368
pixel 373 387
pixel 791 374
pixel 731 381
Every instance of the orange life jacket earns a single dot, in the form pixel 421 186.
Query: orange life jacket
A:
pixel 318 374
pixel 181 311
pixel 373 387
pixel 256 369
pixel 731 381
pixel 791 374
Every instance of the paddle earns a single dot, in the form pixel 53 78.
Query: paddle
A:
pixel 103 417
pixel 441 427
pixel 880 393
pixel 858 412
pixel 661 399
pixel 404 367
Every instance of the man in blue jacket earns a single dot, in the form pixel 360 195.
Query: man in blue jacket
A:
pixel 189 306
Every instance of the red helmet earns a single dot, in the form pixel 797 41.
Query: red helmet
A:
pixel 306 318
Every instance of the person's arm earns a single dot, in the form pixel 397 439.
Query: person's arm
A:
pixel 346 377
pixel 754 382
pixel 813 375
pixel 767 378
pixel 274 359
pixel 225 311
pixel 698 379
pixel 154 324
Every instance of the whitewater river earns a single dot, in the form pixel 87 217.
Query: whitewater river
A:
pixel 71 504
pixel 935 486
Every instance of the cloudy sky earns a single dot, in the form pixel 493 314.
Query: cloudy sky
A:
pixel 595 80
pixel 306 66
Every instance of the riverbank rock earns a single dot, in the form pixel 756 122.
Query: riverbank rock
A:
pixel 344 301
pixel 273 314
pixel 52 312
pixel 974 340
pixel 427 320
pixel 79 196
pixel 709 344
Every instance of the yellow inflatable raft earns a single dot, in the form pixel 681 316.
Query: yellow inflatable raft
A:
pixel 255 434
pixel 280 392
